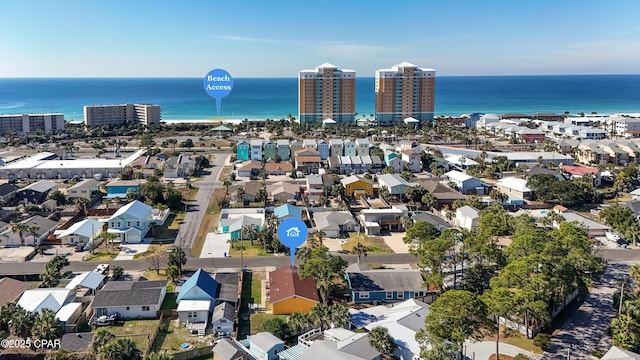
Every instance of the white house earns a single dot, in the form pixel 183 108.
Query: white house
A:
pixel 131 222
pixel 413 159
pixel 193 312
pixel 467 217
pixel 395 183
pixel 83 232
pixel 35 300
pixel 222 319
pixel 42 227
pixel 464 183
pixel 362 147
pixel 84 189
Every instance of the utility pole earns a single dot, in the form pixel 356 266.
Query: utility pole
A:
pixel 621 300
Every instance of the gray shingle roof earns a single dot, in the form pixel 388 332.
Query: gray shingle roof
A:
pixel 386 280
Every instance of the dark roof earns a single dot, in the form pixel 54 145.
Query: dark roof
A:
pixel 223 310
pixel 231 278
pixel 633 205
pixel 439 190
pixel 540 170
pixel 385 279
pixel 129 293
pixel 432 219
pixel 7 188
pixel 228 286
pixel 11 289
pixel 42 223
pixel 76 341
pixel 285 283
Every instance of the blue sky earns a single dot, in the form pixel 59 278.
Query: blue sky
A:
pixel 257 38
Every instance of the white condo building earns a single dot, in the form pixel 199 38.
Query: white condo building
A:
pixel 23 124
pixel 145 114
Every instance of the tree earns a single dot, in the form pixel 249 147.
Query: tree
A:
pixel 108 237
pixel 20 228
pixel 158 356
pixel 21 322
pixel 380 340
pixel 277 326
pixel 299 322
pixel 420 232
pixel 500 302
pixel 360 250
pixel 178 258
pixel 329 316
pixel 173 272
pixel 174 198
pixel 152 191
pixel 58 196
pixel 121 349
pixel 325 269
pixel 101 338
pixel 117 272
pixel 187 144
pixel 146 141
pixel 46 326
pixel 456 316
pixel 157 261
pixel 82 203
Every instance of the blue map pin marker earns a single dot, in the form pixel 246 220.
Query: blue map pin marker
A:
pixel 218 83
pixel 292 233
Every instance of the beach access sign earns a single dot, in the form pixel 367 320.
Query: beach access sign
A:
pixel 218 83
pixel 292 233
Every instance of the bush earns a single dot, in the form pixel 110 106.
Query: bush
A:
pixel 542 340
pixel 521 357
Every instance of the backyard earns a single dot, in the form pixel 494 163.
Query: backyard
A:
pixel 139 331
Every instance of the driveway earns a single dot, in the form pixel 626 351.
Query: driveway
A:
pixel 395 242
pixel 586 331
pixel 482 350
pixel 128 251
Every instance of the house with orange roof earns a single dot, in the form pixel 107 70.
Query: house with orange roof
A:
pixel 308 161
pixel 277 168
pixel 579 171
pixel 288 293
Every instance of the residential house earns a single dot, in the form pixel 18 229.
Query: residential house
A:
pixel 392 160
pixel 86 189
pixel 594 228
pixel 249 168
pixel 309 144
pixel 314 185
pixel 8 192
pixel 200 286
pixel 513 186
pixel 334 343
pixel 269 149
pixel 131 299
pixel 288 293
pixel 249 191
pixel 35 300
pixel 375 220
pixel 11 290
pixel 464 183
pixel 120 188
pixel 82 232
pixel 265 346
pixel 362 146
pixel 283 149
pixel 287 211
pixel 635 194
pixel 332 223
pixel 580 171
pixel 232 221
pixel 395 183
pixel 337 148
pixel 37 192
pixel 536 170
pixel 445 196
pixel 277 168
pixel 255 149
pixel 295 145
pixel 357 186
pixel 616 353
pixel 223 319
pixel 230 349
pixel 403 321
pixel 412 159
pixel 42 228
pixel 384 285
pixel 283 191
pixel 323 149
pixel 467 217
pixel 307 161
pixel 179 167
pixel 434 220
pixel 242 151
pixel 131 222
pixel 349 148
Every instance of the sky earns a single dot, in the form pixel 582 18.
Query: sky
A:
pixel 277 38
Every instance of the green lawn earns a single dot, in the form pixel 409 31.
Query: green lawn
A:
pixel 376 244
pixel 169 301
pixel 522 342
pixel 138 330
pixel 244 321
pixel 249 250
pixel 256 285
pixel 102 255
pixel 258 319
pixel 175 335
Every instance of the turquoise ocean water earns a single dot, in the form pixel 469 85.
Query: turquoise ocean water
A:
pixel 261 98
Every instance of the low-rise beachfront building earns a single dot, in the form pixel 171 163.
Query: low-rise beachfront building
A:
pixel 628 127
pixel 242 151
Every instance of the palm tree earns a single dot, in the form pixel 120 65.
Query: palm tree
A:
pixel 360 250
pixel 108 237
pixel 380 340
pixel 303 253
pixel 172 272
pixel 32 229
pixel 299 322
pixel 46 326
pixel 6 313
pixel 338 315
pixel 250 231
pixel 158 356
pixel 101 338
pixel 319 235
pixel 321 315
pixel 20 228
pixel 21 322
pixel 81 203
pixel 178 258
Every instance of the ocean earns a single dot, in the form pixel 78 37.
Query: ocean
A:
pixel 276 98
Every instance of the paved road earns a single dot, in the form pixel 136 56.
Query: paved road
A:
pixel 216 263
pixel 586 330
pixel 197 208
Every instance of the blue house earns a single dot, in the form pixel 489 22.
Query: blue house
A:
pixel 384 285
pixel 286 211
pixel 200 286
pixel 324 149
pixel 283 149
pixel 119 188
pixel 265 346
pixel 242 151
